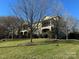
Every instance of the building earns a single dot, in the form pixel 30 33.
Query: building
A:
pixel 43 28
pixel 50 24
pixel 47 25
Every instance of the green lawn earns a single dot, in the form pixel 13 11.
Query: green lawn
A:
pixel 44 50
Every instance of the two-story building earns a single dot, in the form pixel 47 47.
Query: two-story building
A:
pixel 48 25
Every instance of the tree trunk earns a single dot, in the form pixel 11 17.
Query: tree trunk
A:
pixel 66 36
pixel 31 36
pixel 12 34
pixel 55 37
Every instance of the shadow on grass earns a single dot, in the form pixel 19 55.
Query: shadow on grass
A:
pixel 70 41
pixel 46 42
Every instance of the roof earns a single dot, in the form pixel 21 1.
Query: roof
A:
pixel 23 31
pixel 50 17
pixel 47 17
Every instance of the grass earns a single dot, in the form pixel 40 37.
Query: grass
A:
pixel 44 50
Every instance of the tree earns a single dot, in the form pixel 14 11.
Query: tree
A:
pixel 58 12
pixel 30 11
pixel 11 23
pixel 70 24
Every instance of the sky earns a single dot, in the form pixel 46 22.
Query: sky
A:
pixel 70 5
pixel 5 8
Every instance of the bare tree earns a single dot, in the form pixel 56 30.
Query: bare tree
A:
pixel 66 24
pixel 70 24
pixel 30 11
pixel 58 10
pixel 11 23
